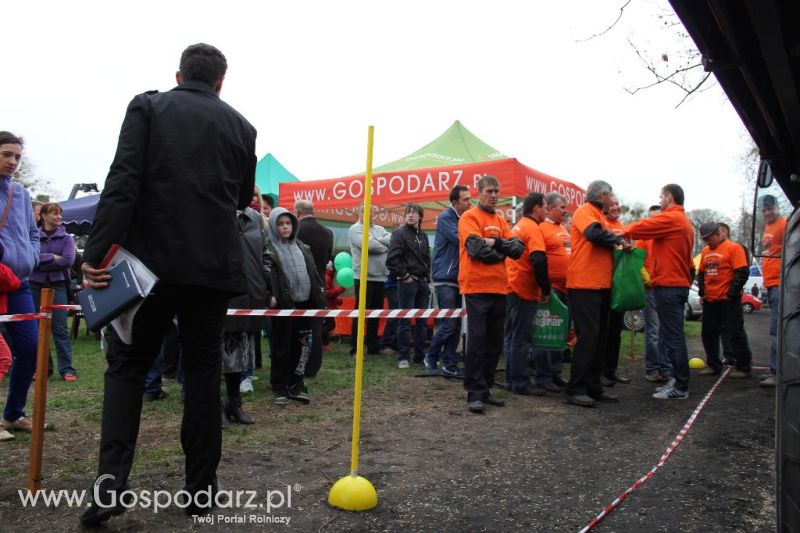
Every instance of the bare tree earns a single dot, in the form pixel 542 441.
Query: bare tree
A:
pixel 27 176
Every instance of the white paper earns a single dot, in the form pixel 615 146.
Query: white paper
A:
pixel 123 324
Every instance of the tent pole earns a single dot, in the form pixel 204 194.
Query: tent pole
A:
pixel 513 209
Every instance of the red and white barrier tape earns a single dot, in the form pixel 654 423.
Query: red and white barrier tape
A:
pixel 314 313
pixel 671 448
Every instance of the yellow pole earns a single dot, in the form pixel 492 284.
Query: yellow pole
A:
pixel 362 301
pixel 40 395
pixel 354 492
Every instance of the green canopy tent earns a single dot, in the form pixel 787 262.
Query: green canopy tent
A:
pixel 270 174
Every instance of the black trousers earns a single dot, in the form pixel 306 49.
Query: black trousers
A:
pixel 615 324
pixel 374 301
pixel 201 316
pixel 727 314
pixel 315 358
pixel 291 346
pixel 589 309
pixel 486 315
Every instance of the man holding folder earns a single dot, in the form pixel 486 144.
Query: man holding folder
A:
pixel 185 162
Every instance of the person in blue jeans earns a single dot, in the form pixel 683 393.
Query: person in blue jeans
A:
pixel 389 337
pixel 409 260
pixel 19 242
pixel 445 281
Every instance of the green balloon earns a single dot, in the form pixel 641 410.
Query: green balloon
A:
pixel 345 277
pixel 343 260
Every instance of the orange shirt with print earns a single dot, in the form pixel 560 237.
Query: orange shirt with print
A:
pixel 672 234
pixel 772 244
pixel 521 279
pixel 590 265
pixel 718 267
pixel 473 275
pixel 557 247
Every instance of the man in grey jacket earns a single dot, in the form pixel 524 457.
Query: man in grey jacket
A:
pixel 377 249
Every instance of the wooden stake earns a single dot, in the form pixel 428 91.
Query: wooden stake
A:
pixel 40 394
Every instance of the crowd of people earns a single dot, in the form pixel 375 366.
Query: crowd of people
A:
pixel 265 256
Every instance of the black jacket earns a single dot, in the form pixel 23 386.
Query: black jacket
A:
pixel 409 254
pixel 256 264
pixel 185 162
pixel 319 239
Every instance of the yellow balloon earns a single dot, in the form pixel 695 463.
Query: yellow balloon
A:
pixel 696 363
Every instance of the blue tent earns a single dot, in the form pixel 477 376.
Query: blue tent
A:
pixel 78 214
pixel 269 174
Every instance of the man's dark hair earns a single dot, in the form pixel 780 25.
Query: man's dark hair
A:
pixel 268 200
pixel 455 192
pixel 530 201
pixel 203 62
pixel 486 181
pixel 411 206
pixel 6 137
pixel 676 191
pixel 654 207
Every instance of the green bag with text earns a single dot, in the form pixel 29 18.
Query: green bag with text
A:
pixel 627 286
pixel 550 325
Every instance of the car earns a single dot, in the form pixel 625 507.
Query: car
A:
pixel 694 305
pixel 750 303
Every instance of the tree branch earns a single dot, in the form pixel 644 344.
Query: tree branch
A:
pixel 621 11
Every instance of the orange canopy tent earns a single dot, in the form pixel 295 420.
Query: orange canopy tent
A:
pixel 426 177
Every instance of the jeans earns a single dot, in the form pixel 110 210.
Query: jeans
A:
pixel 58 324
pixel 654 359
pixel 374 300
pixel 23 338
pixel 445 340
pixel 517 342
pixel 670 303
pixel 412 295
pixel 389 338
pixel 774 301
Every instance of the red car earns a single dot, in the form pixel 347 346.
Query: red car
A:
pixel 750 303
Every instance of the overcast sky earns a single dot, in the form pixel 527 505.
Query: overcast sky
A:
pixel 311 76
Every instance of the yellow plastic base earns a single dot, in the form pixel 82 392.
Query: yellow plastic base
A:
pixel 353 493
pixel 696 363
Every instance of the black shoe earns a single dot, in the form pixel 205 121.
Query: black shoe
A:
pixel 207 499
pixel 607 382
pixel 560 382
pixel 491 400
pixel 160 395
pixel 233 408
pixel 582 400
pixel 475 406
pixel 622 379
pixel 530 391
pixel 96 515
pixel 299 392
pixel 605 397
pixel 551 387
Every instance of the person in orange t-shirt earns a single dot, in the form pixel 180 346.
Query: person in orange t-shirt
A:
pixel 672 234
pixel 528 284
pixel 589 292
pixel 485 241
pixel 722 274
pixel 772 246
pixel 547 363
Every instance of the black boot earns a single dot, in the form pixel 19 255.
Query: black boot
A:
pixel 233 408
pixel 225 423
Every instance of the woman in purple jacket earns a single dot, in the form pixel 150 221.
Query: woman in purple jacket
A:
pixel 56 254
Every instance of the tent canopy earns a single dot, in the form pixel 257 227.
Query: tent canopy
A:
pixel 270 174
pixel 426 177
pixel 77 215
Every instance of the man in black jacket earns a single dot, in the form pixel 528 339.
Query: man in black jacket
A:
pixel 409 260
pixel 185 162
pixel 320 240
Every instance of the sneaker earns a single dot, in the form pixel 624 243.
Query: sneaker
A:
pixel 403 363
pixel 769 381
pixel 280 399
pixel 299 392
pixel 70 377
pixel 668 385
pixel 246 385
pixel 453 372
pixel 739 374
pixel 476 406
pixel 431 365
pixel 5 435
pixel 551 387
pixel 671 394
pixel 21 424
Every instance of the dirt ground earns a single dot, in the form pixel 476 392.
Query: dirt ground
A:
pixel 536 465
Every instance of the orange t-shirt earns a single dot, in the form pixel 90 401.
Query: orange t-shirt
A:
pixel 474 276
pixel 673 239
pixel 772 244
pixel 615 226
pixel 718 266
pixel 590 265
pixel 556 244
pixel 521 280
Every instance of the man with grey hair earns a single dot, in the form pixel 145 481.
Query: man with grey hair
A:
pixel 320 240
pixel 589 292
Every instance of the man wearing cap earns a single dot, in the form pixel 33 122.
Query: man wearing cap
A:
pixel 772 246
pixel 673 239
pixel 722 274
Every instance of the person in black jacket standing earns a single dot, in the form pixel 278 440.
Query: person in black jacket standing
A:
pixel 409 260
pixel 185 162
pixel 320 240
